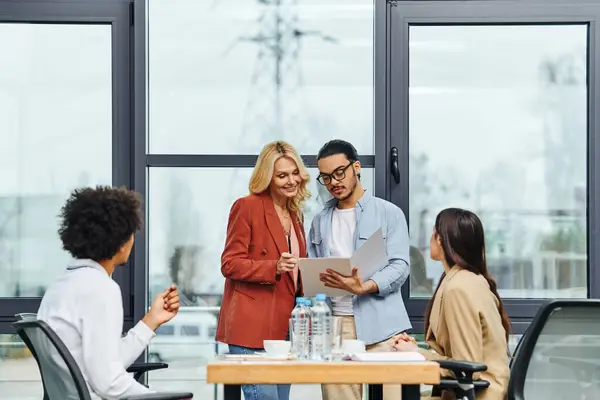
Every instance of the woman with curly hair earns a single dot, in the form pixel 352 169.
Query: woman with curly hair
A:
pixel 265 238
pixel 84 306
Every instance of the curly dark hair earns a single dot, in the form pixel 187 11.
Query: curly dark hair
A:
pixel 96 222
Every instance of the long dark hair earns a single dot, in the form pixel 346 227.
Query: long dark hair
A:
pixel 463 243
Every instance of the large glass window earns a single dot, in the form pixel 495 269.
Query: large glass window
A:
pixel 498 124
pixel 226 77
pixel 55 135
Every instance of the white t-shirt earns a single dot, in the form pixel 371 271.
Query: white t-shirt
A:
pixel 341 243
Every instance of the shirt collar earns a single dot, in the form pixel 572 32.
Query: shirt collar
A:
pixel 362 202
pixel 85 263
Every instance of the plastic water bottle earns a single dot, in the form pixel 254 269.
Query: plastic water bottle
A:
pixel 320 317
pixel 301 324
pixel 308 305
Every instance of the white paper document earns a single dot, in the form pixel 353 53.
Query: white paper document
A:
pixel 394 356
pixel 369 258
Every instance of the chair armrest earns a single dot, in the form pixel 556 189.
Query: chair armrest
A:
pixel 161 396
pixel 139 369
pixel 462 366
pixel 451 383
pixel 463 370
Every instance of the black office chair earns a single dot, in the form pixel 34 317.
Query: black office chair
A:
pixel 478 385
pixel 558 358
pixel 137 369
pixel 61 376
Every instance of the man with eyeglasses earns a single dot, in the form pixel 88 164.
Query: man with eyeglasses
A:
pixel 373 311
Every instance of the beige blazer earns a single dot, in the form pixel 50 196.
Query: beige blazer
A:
pixel 465 325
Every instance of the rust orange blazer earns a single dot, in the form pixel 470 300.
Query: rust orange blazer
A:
pixel 257 303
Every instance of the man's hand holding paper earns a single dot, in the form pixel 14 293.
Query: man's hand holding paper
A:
pixel 350 283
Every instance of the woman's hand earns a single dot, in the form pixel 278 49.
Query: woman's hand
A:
pixel 405 337
pixel 402 345
pixel 164 307
pixel 405 342
pixel 286 263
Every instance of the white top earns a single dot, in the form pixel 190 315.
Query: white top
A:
pixel 84 307
pixel 341 243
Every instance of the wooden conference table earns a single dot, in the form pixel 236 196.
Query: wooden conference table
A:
pixel 232 374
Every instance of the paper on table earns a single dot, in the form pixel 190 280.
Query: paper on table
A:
pixel 255 357
pixel 397 356
pixel 369 258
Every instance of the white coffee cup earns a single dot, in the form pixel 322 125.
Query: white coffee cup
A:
pixel 350 346
pixel 277 347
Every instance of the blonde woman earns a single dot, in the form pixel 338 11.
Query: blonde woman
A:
pixel 265 238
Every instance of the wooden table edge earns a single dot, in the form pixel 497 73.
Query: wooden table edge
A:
pixel 294 372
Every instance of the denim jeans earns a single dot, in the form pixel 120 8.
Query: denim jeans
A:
pixel 260 392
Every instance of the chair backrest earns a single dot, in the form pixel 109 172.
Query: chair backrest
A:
pixel 516 350
pixel 29 317
pixel 559 356
pixel 25 316
pixel 60 373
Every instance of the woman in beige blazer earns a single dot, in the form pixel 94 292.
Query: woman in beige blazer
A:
pixel 465 319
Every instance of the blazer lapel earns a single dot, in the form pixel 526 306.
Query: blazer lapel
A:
pixel 434 318
pixel 274 225
pixel 299 227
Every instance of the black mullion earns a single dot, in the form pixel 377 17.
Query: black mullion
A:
pixel 381 102
pixel 122 108
pixel 227 160
pixel 593 189
pixel 139 257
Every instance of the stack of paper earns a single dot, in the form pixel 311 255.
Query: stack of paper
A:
pixel 256 357
pixel 396 356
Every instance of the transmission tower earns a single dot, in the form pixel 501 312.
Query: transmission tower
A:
pixel 274 106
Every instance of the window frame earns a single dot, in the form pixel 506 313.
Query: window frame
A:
pixel 116 13
pixel 402 14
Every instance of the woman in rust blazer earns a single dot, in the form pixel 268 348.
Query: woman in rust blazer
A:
pixel 265 238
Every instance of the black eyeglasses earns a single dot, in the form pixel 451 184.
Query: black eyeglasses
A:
pixel 338 174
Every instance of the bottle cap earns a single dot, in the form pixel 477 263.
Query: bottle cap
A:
pixel 320 297
pixel 300 300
